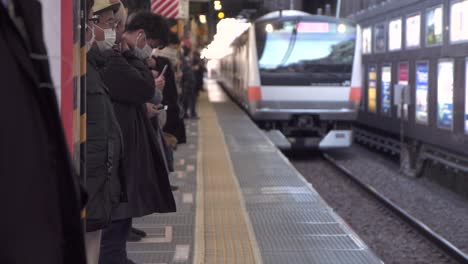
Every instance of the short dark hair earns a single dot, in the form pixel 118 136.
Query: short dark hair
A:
pixel 155 26
pixel 173 38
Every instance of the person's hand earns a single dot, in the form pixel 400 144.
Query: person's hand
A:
pixel 151 62
pixel 151 110
pixel 155 74
pixel 160 82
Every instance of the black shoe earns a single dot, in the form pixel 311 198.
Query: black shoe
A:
pixel 132 237
pixel 138 232
pixel 174 188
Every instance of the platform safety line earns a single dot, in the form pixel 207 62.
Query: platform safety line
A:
pixel 252 241
pixel 199 241
pixel 255 249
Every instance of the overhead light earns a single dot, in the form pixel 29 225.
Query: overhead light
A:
pixel 341 28
pixel 218 5
pixel 269 28
pixel 202 19
pixel 220 15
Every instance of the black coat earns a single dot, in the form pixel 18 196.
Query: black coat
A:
pixel 40 215
pixel 131 84
pixel 174 123
pixel 104 147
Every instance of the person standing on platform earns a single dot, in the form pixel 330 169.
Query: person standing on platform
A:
pixel 131 85
pixel 189 86
pixel 104 147
pixel 41 204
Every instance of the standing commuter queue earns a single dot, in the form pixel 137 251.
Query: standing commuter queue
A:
pixel 140 85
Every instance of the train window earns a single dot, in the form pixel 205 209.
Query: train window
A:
pixel 386 86
pixel 380 38
pixel 422 92
pixel 413 31
pixel 466 95
pixel 434 26
pixel 445 94
pixel 394 34
pixel 459 21
pixel 367 40
pixel 372 90
pixel 403 78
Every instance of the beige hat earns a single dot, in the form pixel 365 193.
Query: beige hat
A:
pixel 104 5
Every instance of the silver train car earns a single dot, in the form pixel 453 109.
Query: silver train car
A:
pixel 298 76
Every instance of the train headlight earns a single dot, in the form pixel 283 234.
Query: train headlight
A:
pixel 341 28
pixel 269 28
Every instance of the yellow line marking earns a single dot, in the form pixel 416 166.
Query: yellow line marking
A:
pixel 227 235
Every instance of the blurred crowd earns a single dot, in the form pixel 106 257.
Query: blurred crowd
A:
pixel 141 84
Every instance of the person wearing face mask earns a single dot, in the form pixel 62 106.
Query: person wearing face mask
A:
pixel 131 85
pixel 104 147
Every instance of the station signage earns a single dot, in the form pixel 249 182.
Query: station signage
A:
pixel 367 40
pixel 372 90
pixel 445 94
pixel 434 26
pixel 422 90
pixel 413 31
pixel 380 38
pixel 386 89
pixel 394 35
pixel 403 77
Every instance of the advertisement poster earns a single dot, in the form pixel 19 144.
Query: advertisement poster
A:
pixel 367 41
pixel 413 31
pixel 422 91
pixel 380 38
pixel 372 90
pixel 459 21
pixel 403 75
pixel 445 95
pixel 466 96
pixel 386 90
pixel 434 26
pixel 394 35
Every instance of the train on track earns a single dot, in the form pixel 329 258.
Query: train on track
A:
pixel 298 76
pixel 423 46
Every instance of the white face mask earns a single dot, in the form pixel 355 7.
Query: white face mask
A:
pixel 109 39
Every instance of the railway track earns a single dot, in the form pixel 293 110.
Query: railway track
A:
pixel 418 225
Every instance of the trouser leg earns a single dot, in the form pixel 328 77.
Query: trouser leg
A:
pixel 93 246
pixel 114 242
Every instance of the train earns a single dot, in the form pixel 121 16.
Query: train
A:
pixel 298 76
pixel 421 48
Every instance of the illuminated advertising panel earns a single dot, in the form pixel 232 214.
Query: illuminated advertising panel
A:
pixel 459 21
pixel 445 95
pixel 403 77
pixel 394 35
pixel 413 31
pixel 380 38
pixel 367 40
pixel 386 90
pixel 372 90
pixel 422 91
pixel 434 26
pixel 466 95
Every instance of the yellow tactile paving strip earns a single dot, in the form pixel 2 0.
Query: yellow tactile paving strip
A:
pixel 223 230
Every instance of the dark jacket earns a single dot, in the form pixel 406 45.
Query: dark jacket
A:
pixel 174 123
pixel 40 215
pixel 104 147
pixel 131 84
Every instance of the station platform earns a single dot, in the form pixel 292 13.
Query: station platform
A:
pixel 241 201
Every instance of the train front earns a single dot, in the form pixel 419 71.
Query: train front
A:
pixel 305 75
